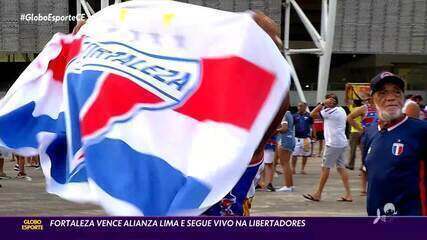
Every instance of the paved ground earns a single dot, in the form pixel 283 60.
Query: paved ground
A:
pixel 22 197
pixel 293 204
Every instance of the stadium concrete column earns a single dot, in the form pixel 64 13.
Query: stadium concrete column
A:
pixel 328 28
pixel 104 3
pixel 78 7
pixel 324 18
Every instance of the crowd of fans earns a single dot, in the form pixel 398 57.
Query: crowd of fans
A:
pixel 345 130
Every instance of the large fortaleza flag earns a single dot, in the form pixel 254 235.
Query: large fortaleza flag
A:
pixel 154 108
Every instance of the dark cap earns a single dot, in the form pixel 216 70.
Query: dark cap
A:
pixel 386 77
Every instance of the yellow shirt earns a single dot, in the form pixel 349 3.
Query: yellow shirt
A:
pixel 358 120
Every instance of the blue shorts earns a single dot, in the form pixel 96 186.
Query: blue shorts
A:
pixel 287 143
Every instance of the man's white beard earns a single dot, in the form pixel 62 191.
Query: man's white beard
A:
pixel 385 116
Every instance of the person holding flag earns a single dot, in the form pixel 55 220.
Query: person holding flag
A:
pixel 213 87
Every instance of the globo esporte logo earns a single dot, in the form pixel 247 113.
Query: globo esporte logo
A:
pixel 32 225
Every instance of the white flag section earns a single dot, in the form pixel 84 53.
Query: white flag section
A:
pixel 155 108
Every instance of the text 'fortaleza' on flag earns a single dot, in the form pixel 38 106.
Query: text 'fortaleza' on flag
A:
pixel 153 108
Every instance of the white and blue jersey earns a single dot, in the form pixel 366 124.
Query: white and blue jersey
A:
pixel 396 167
pixel 233 204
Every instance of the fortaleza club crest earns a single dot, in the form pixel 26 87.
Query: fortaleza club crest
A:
pixel 397 149
pixel 129 80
